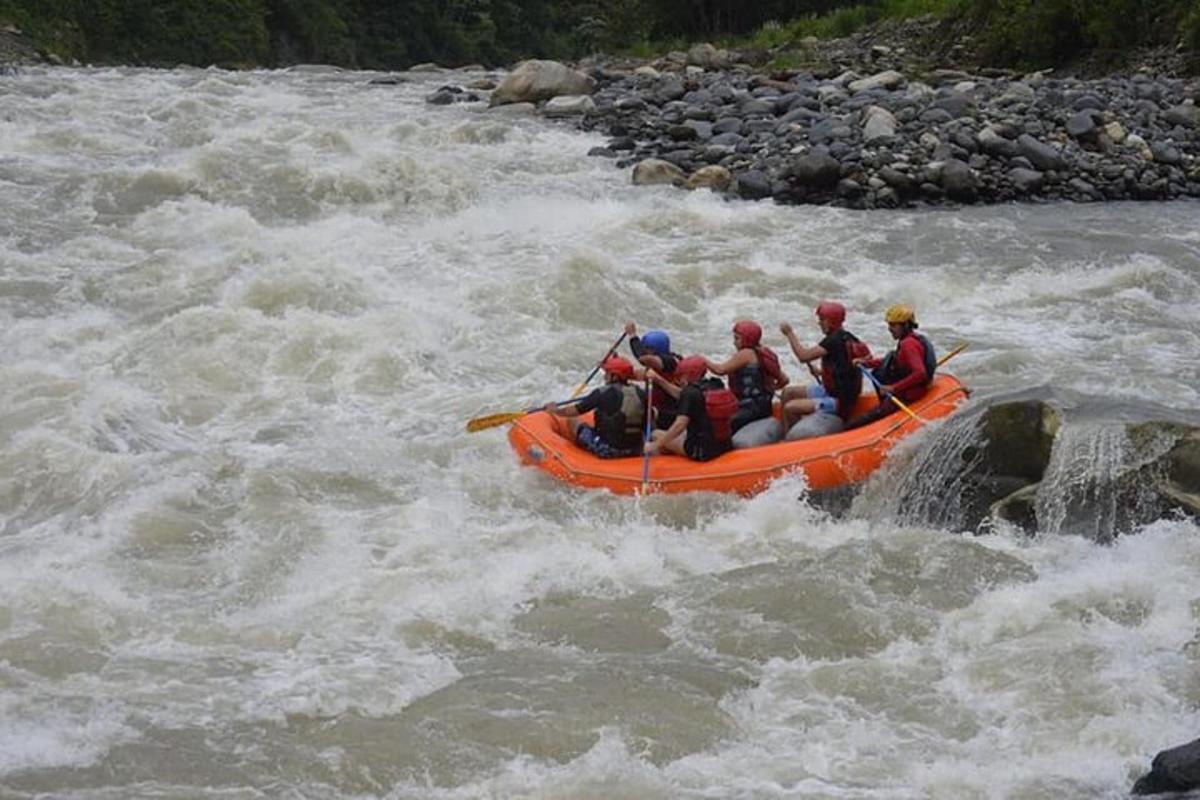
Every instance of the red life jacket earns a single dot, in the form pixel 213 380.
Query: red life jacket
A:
pixel 773 375
pixel 720 405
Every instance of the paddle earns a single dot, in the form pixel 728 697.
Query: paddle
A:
pixel 952 353
pixel 504 417
pixel 645 452
pixel 889 395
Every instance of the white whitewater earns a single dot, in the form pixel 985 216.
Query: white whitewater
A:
pixel 247 549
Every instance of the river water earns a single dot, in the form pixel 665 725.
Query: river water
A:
pixel 247 549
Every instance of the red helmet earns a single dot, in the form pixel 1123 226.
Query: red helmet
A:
pixel 692 368
pixel 833 313
pixel 751 332
pixel 615 365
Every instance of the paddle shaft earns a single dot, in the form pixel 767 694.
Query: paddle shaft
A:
pixel 952 353
pixel 505 417
pixel 890 395
pixel 646 443
pixel 579 389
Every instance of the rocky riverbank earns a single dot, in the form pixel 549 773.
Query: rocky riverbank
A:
pixel 16 49
pixel 890 139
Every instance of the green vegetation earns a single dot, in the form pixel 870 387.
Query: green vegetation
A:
pixel 1040 32
pixel 388 34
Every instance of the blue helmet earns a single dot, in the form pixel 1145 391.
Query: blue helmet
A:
pixel 657 342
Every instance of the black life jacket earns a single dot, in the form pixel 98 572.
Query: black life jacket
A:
pixel 749 383
pixel 889 371
pixel 623 428
pixel 839 376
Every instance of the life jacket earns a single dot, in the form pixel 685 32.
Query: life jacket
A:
pixel 839 376
pixel 889 370
pixel 623 428
pixel 761 380
pixel 661 400
pixel 720 404
pixel 773 376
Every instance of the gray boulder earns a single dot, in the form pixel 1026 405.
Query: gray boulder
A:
pixel 535 81
pixel 1174 770
pixel 958 180
pixel 817 170
pixel 1042 155
pixel 654 171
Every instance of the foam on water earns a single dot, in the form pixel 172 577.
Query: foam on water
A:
pixel 245 542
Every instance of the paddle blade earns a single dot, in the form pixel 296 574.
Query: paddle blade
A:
pixel 493 420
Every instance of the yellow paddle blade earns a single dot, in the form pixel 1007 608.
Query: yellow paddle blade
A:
pixel 492 420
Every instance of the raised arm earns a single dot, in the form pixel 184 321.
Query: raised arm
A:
pixel 742 358
pixel 803 354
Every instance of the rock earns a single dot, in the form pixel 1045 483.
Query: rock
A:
pixel 1187 115
pixel 535 81
pixel 653 171
pixel 1115 133
pixel 1016 93
pixel 752 184
pixel 958 181
pixel 954 103
pixel 514 109
pixel 1166 154
pixel 1026 181
pixel 889 79
pixel 993 143
pixel 1018 508
pixel 568 105
pixel 707 56
pixel 879 125
pixel 902 182
pixel 817 170
pixel 1174 770
pixel 712 177
pixel 1083 125
pixel 1041 154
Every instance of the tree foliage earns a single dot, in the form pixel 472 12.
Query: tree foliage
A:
pixel 386 34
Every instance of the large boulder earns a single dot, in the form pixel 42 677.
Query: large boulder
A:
pixel 535 80
pixel 817 170
pixel 890 79
pixel 1041 155
pixel 1174 770
pixel 654 171
pixel 568 105
pixel 879 125
pixel 713 177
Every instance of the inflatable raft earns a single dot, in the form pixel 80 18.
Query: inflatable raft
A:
pixel 542 440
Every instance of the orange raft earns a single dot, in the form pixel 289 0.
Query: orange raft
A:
pixel 828 462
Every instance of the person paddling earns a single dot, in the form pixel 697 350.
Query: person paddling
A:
pixel 653 351
pixel 824 407
pixel 754 374
pixel 701 430
pixel 620 411
pixel 906 372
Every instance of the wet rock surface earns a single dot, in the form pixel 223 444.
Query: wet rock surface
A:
pixel 1174 770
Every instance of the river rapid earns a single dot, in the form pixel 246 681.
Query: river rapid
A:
pixel 247 549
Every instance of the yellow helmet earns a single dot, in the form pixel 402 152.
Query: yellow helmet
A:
pixel 900 312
